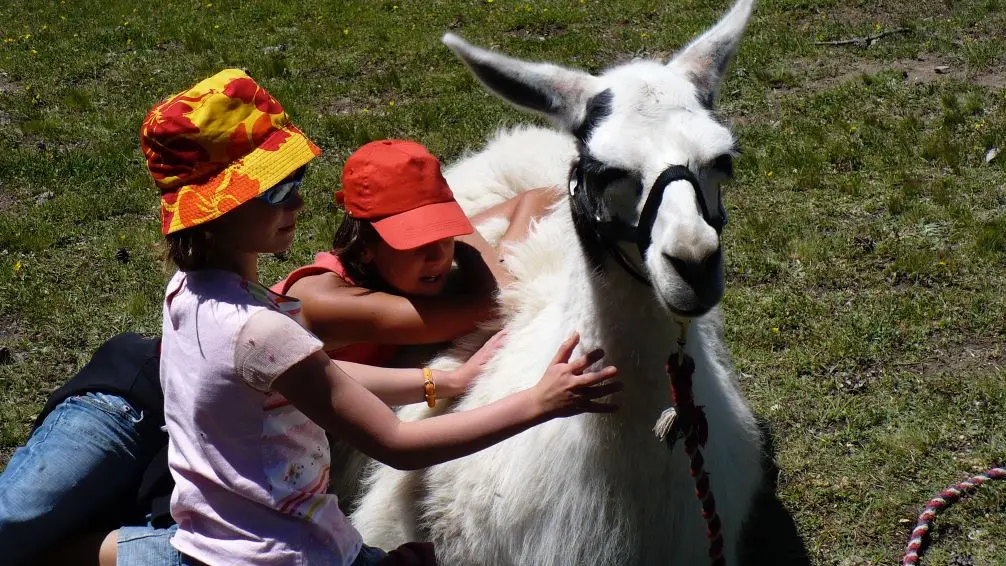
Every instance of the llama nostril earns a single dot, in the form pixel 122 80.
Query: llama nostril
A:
pixel 692 271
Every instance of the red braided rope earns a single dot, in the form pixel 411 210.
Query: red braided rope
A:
pixel 945 499
pixel 691 423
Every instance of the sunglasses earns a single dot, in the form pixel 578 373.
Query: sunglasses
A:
pixel 284 190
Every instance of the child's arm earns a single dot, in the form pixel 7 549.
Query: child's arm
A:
pixel 405 386
pixel 347 410
pixel 341 314
pixel 520 211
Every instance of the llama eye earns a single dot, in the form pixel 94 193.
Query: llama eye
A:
pixel 621 198
pixel 724 165
pixel 574 180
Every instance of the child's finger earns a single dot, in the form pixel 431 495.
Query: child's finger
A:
pixel 566 349
pixel 499 338
pixel 595 377
pixel 583 362
pixel 600 390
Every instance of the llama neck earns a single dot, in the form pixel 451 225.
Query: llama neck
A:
pixel 614 311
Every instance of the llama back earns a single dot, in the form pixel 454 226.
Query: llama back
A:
pixel 514 160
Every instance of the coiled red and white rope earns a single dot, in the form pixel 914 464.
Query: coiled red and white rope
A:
pixel 945 499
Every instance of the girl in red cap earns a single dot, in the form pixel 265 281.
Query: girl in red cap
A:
pixel 383 283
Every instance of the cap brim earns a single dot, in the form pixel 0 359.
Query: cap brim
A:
pixel 424 225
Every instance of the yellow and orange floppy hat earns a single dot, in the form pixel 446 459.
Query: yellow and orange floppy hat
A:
pixel 218 145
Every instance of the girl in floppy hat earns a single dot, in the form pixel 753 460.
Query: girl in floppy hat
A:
pixel 249 393
pixel 201 181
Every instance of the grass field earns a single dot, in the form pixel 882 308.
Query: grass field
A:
pixel 865 251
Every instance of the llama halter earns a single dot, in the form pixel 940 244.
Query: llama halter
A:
pixel 608 230
pixel 687 420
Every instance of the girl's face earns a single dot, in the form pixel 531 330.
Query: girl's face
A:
pixel 258 227
pixel 420 271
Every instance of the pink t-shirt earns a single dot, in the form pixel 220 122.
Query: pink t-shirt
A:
pixel 250 470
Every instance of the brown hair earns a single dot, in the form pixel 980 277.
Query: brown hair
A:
pixel 188 249
pixel 349 244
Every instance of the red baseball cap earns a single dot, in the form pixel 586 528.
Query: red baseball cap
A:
pixel 397 185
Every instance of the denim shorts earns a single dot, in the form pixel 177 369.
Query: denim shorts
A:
pixel 369 556
pixel 86 454
pixel 147 546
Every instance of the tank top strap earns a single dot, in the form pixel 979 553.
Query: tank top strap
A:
pixel 324 262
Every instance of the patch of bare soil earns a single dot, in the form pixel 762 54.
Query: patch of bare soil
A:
pixel 924 69
pixel 537 31
pixel 968 357
pixel 888 13
pixel 6 84
pixel 8 325
pixel 994 79
pixel 341 107
pixel 6 202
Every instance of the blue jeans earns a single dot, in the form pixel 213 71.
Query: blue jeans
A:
pixel 86 456
pixel 369 556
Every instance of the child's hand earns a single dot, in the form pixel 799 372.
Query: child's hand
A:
pixel 460 379
pixel 565 389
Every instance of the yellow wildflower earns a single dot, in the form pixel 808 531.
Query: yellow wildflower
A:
pixel 17 266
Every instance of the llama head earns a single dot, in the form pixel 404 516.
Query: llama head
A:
pixel 652 155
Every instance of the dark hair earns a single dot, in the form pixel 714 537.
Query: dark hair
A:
pixel 188 249
pixel 350 242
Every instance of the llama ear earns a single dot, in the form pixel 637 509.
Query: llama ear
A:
pixel 705 59
pixel 560 94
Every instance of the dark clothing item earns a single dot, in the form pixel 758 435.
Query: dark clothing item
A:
pixel 128 365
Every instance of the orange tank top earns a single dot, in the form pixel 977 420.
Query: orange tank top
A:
pixel 360 352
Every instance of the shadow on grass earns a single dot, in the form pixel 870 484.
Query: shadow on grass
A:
pixel 771 536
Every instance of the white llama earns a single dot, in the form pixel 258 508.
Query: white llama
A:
pixel 596 489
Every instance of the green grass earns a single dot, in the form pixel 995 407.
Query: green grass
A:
pixel 865 251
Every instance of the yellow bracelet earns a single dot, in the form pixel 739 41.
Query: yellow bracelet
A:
pixel 429 388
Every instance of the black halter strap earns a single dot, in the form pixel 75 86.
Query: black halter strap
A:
pixel 613 231
pixel 610 231
pixel 649 214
